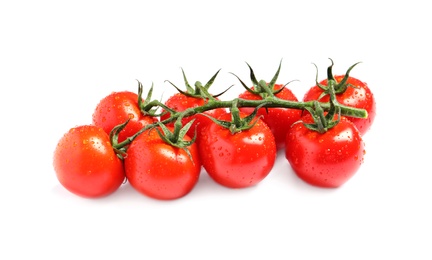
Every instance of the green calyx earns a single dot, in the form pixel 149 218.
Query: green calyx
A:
pixel 120 150
pixel 323 122
pixel 148 106
pixel 339 87
pixel 176 138
pixel 262 88
pixel 199 91
pixel 238 124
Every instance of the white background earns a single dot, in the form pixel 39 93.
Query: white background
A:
pixel 58 59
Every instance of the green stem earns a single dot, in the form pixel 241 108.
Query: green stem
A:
pixel 269 102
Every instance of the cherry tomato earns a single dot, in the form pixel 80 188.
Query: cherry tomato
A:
pixel 237 160
pixel 115 109
pixel 325 160
pixel 160 170
pixel 86 164
pixel 180 102
pixel 278 119
pixel 357 95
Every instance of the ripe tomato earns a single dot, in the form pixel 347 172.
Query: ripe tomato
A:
pixel 357 95
pixel 180 102
pixel 115 109
pixel 160 170
pixel 278 119
pixel 237 160
pixel 86 164
pixel 328 159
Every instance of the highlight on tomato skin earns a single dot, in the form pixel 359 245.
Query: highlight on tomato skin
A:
pixel 86 164
pixel 325 160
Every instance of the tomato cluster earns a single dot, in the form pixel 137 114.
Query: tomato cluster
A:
pixel 161 148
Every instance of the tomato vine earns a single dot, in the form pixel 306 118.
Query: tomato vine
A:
pixel 152 106
pixel 160 147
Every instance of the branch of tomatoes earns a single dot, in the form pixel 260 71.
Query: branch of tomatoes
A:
pixel 155 144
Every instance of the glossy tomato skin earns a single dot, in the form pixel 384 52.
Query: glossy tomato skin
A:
pixel 278 119
pixel 180 102
pixel 86 164
pixel 325 160
pixel 159 170
pixel 237 160
pixel 115 109
pixel 359 96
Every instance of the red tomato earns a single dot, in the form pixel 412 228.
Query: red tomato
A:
pixel 180 102
pixel 237 160
pixel 86 164
pixel 358 95
pixel 115 109
pixel 278 119
pixel 159 170
pixel 328 159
